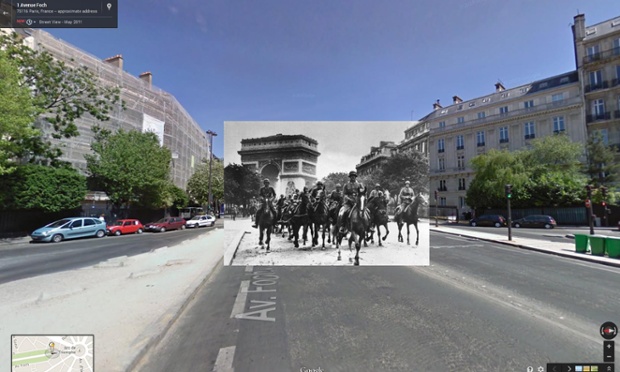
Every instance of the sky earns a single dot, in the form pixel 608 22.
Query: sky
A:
pixel 341 145
pixel 324 60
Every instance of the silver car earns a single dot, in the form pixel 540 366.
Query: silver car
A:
pixel 70 228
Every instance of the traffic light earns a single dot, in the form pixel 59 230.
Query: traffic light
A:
pixel 509 191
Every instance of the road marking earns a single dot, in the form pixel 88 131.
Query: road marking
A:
pixel 248 269
pixel 242 296
pixel 457 239
pixel 458 246
pixel 224 360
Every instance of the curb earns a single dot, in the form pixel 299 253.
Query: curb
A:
pixel 536 249
pixel 231 252
pixel 169 318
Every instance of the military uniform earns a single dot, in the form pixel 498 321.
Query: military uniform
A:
pixel 405 196
pixel 269 193
pixel 351 190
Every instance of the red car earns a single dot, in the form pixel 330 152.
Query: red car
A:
pixel 122 227
pixel 168 223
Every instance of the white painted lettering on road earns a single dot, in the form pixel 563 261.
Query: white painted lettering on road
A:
pixel 242 296
pixel 263 282
pixel 261 304
pixel 252 315
pixel 224 360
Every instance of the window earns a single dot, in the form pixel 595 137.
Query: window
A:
pixel 442 164
pixel 89 222
pixel 442 124
pixel 558 124
pixel 461 183
pixel 480 138
pixel 592 53
pixel 442 185
pixel 441 145
pixel 460 107
pixel 472 104
pixel 598 108
pixel 460 142
pixel 529 130
pixel 617 47
pixel 481 115
pixel 460 162
pixel 442 201
pixel 564 80
pixel 503 135
pixel 596 80
pixel 503 110
pixel 528 104
pixel 76 223
pixel 544 85
pixel 618 72
pixel 460 119
pixel 461 202
pixel 557 97
pixel 605 136
pixel 485 100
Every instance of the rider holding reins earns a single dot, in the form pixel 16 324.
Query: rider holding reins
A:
pixel 266 192
pixel 405 196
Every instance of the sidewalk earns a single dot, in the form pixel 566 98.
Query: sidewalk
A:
pixel 559 249
pixel 127 303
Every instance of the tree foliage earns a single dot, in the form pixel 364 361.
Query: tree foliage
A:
pixel 198 184
pixel 547 174
pixel 61 93
pixel 240 184
pixel 332 179
pixel 131 167
pixel 601 166
pixel 411 166
pixel 17 113
pixel 37 187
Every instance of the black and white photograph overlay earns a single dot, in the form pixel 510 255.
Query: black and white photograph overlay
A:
pixel 326 193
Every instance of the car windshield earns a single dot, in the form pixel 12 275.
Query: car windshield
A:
pixel 163 220
pixel 118 223
pixel 58 223
pixel 196 218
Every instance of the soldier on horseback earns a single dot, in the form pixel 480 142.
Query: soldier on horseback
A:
pixel 335 198
pixel 377 192
pixel 265 192
pixel 315 190
pixel 351 190
pixel 405 196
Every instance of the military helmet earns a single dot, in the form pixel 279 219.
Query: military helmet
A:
pixel 266 180
pixel 319 183
pixel 352 173
pixel 377 185
pixel 407 182
pixel 338 185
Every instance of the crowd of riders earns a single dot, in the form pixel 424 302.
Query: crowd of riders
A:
pixel 340 201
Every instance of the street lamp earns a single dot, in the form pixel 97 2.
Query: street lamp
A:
pixel 211 135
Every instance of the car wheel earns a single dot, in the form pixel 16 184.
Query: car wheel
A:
pixel 163 229
pixel 547 226
pixel 117 233
pixel 473 224
pixel 497 224
pixel 139 231
pixel 57 238
pixel 100 233
pixel 517 225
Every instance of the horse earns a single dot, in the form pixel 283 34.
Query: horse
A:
pixel 300 218
pixel 409 216
pixel 379 217
pixel 359 222
pixel 265 223
pixel 319 218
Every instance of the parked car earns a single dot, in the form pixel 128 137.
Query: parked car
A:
pixel 488 220
pixel 70 228
pixel 122 227
pixel 537 220
pixel 168 223
pixel 200 221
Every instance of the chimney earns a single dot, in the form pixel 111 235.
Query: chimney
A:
pixel 499 87
pixel 579 28
pixel 147 77
pixel 457 99
pixel 116 61
pixel 436 105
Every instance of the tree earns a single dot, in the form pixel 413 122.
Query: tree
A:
pixel 240 184
pixel 17 113
pixel 62 94
pixel 131 167
pixel 36 187
pixel 601 166
pixel 412 166
pixel 332 179
pixel 198 184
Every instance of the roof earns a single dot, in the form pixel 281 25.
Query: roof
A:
pixel 606 27
pixel 280 137
pixel 508 94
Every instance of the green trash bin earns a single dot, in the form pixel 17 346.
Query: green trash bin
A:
pixel 612 245
pixel 581 243
pixel 597 245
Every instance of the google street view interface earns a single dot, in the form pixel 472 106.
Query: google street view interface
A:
pixel 309 186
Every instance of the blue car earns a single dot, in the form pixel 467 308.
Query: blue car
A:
pixel 70 228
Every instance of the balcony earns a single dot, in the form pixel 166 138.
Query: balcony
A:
pixel 441 150
pixel 615 82
pixel 601 56
pixel 597 86
pixel 558 131
pixel 480 144
pixel 460 147
pixel 448 171
pixel 598 117
pixel 512 114
pixel 530 136
pixel 617 114
pixel 503 140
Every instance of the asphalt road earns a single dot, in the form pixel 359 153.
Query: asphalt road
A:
pixel 557 234
pixel 479 307
pixel 19 261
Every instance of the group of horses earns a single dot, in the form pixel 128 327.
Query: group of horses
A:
pixel 319 215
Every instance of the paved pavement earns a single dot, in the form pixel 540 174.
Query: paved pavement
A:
pixel 566 249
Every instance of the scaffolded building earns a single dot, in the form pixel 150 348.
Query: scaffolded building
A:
pixel 147 109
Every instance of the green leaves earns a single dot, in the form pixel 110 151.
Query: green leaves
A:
pixel 130 167
pixel 240 184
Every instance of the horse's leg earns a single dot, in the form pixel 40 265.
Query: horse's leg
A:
pixel 268 237
pixel 260 238
pixel 379 235
pixel 387 231
pixel 408 233
pixel 357 253
pixel 417 233
pixel 400 234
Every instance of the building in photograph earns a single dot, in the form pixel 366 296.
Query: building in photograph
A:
pixel 504 119
pixel 147 109
pixel 416 138
pixel 378 155
pixel 288 161
pixel 597 57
